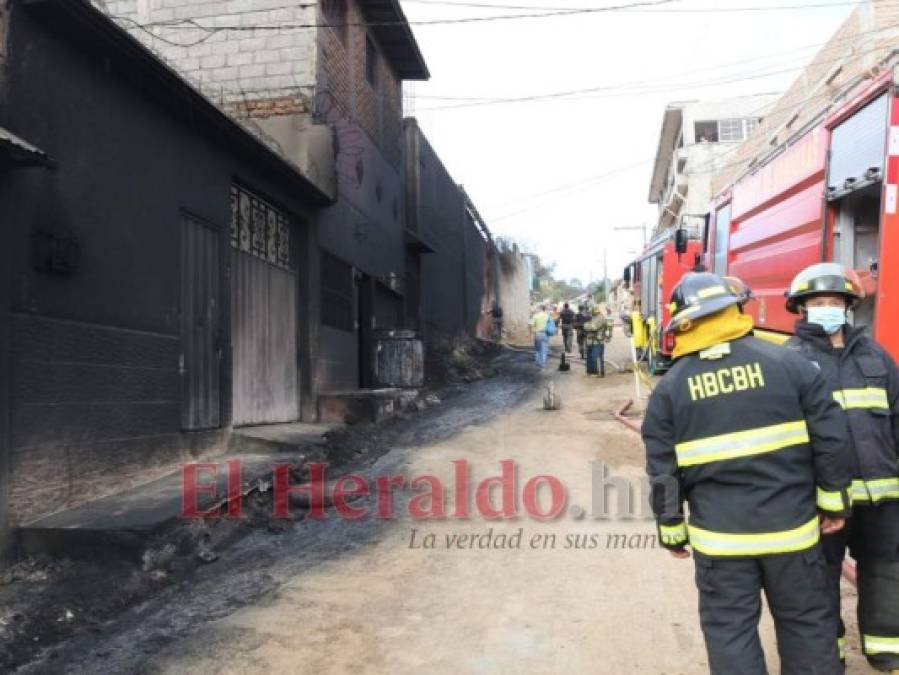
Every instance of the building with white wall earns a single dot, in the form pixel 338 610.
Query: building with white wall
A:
pixel 695 142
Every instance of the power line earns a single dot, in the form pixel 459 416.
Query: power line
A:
pixel 583 182
pixel 576 186
pixel 692 71
pixel 192 24
pixel 644 5
pixel 684 10
pixel 616 91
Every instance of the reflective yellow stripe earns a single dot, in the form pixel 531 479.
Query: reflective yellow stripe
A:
pixel 832 501
pixel 687 310
pixel 875 490
pixel 721 544
pixel 768 336
pixel 711 291
pixel 841 646
pixel 673 535
pixel 876 644
pixel 741 443
pixel 870 397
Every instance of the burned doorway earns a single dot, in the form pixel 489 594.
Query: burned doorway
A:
pixel 263 313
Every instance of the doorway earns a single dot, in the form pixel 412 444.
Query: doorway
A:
pixel 201 344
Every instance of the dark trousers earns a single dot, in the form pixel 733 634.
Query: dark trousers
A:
pixel 795 585
pixel 581 342
pixel 872 537
pixel 596 360
pixel 566 339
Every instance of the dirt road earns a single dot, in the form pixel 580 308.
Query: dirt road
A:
pixel 574 595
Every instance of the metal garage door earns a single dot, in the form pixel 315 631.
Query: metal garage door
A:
pixel 263 316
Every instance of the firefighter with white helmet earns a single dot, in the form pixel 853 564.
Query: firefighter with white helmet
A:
pixel 864 380
pixel 746 434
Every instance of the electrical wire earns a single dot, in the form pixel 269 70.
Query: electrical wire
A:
pixel 617 91
pixel 424 22
pixel 692 71
pixel 577 186
pixel 572 187
pixel 652 6
pixel 684 10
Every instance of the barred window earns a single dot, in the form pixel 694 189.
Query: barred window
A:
pixel 337 293
pixel 259 228
pixel 730 130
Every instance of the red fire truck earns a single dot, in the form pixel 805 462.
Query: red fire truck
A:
pixel 829 193
pixel 652 277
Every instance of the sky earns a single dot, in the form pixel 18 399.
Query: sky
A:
pixel 558 174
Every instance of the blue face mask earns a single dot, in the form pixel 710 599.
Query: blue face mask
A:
pixel 831 319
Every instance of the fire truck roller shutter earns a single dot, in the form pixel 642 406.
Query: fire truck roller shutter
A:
pixel 858 146
pixel 855 175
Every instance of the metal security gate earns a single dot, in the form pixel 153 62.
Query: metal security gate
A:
pixel 263 315
pixel 200 330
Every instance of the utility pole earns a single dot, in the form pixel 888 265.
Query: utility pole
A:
pixel 605 274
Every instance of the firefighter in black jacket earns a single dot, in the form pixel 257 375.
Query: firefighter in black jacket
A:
pixel 864 380
pixel 580 319
pixel 747 434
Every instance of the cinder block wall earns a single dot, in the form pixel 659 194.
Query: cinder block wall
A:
pixel 263 59
pixel 258 71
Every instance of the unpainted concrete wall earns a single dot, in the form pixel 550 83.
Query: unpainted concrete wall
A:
pixel 514 291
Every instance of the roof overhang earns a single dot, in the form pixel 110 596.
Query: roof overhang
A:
pixel 415 243
pixel 78 22
pixel 671 127
pixel 16 152
pixel 394 35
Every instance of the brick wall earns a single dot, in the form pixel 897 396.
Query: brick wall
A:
pixel 343 91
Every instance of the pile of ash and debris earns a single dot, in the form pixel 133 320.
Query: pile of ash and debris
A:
pixel 460 359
